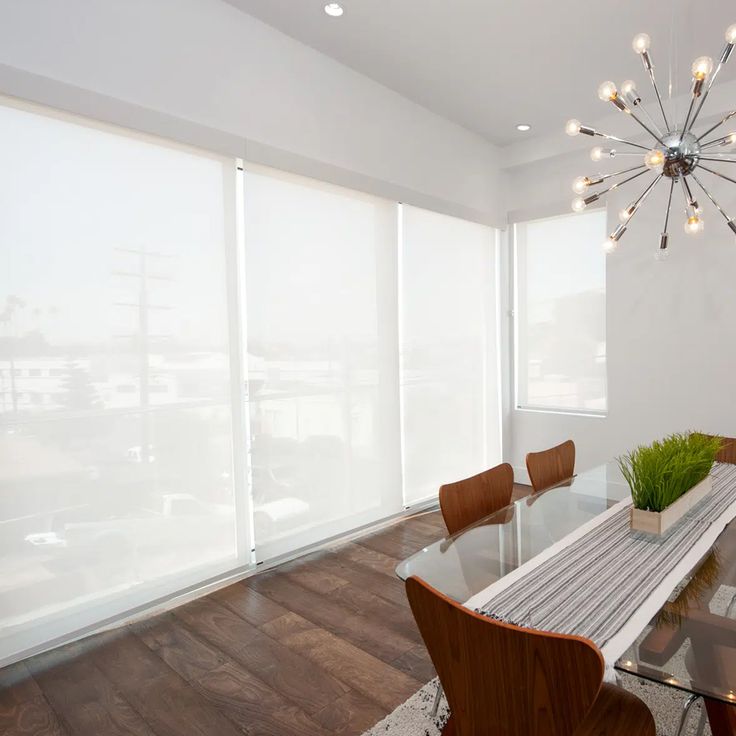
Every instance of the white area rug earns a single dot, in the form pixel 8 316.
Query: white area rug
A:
pixel 413 717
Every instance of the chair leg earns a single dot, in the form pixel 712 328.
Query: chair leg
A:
pixel 730 608
pixel 437 698
pixel 703 720
pixel 685 713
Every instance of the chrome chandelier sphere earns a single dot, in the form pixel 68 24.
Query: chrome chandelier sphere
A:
pixel 677 151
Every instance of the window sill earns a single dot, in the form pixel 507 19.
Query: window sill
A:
pixel 589 413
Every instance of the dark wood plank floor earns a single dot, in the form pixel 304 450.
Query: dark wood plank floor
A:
pixel 322 645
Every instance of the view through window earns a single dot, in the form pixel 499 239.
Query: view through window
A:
pixel 561 313
pixel 449 356
pixel 116 453
pixel 135 461
pixel 322 359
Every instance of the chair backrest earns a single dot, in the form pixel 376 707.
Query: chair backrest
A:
pixel 466 501
pixel 550 467
pixel 501 679
pixel 727 453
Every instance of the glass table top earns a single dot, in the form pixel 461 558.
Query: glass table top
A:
pixel 690 644
pixel 464 564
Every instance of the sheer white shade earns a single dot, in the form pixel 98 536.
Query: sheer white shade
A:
pixel 117 483
pixel 561 313
pixel 322 359
pixel 449 351
pixel 201 368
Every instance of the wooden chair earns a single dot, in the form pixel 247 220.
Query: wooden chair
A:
pixel 466 501
pixel 550 467
pixel 727 453
pixel 712 658
pixel 501 679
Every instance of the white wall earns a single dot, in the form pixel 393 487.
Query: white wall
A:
pixel 206 62
pixel 671 331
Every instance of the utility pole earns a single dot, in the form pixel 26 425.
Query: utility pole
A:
pixel 12 303
pixel 143 338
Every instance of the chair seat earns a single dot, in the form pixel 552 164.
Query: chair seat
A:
pixel 617 712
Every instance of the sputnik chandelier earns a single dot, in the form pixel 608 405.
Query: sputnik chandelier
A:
pixel 677 151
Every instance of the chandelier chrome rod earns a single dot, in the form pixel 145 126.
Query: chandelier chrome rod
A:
pixel 669 206
pixel 689 111
pixel 717 125
pixel 601 177
pixel 622 182
pixel 718 160
pixel 633 101
pixel 650 119
pixel 642 197
pixel 664 237
pixel 718 141
pixel 597 195
pixel 718 173
pixel 619 140
pixel 647 61
pixel 729 220
pixel 688 193
pixel 689 202
pixel 643 125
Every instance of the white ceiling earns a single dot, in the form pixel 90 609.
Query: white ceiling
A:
pixel 490 64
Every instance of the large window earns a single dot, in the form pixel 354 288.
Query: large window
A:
pixel 449 355
pixel 322 359
pixel 561 313
pixel 117 480
pixel 202 368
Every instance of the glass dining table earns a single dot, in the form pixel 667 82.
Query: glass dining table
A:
pixel 690 644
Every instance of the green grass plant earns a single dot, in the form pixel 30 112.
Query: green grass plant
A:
pixel 658 474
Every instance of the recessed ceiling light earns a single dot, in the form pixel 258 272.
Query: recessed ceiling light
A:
pixel 523 127
pixel 334 9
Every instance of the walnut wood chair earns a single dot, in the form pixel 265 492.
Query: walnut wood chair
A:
pixel 727 453
pixel 466 501
pixel 550 467
pixel 712 658
pixel 502 679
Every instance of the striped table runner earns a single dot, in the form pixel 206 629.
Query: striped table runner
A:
pixel 603 580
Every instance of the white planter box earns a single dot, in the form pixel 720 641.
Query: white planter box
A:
pixel 658 522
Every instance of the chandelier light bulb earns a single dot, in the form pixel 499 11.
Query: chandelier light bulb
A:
pixel 731 34
pixel 731 139
pixel 578 204
pixel 654 159
pixel 702 67
pixel 662 254
pixel 641 43
pixel 572 127
pixel 596 154
pixel 580 184
pixel 629 91
pixel 625 214
pixel 607 91
pixel 694 225
pixel 629 87
pixel 609 246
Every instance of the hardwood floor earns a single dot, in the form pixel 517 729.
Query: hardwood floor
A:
pixel 324 645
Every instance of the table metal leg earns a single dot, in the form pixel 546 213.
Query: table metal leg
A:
pixel 437 698
pixel 685 713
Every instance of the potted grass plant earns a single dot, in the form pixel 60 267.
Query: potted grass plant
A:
pixel 667 478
